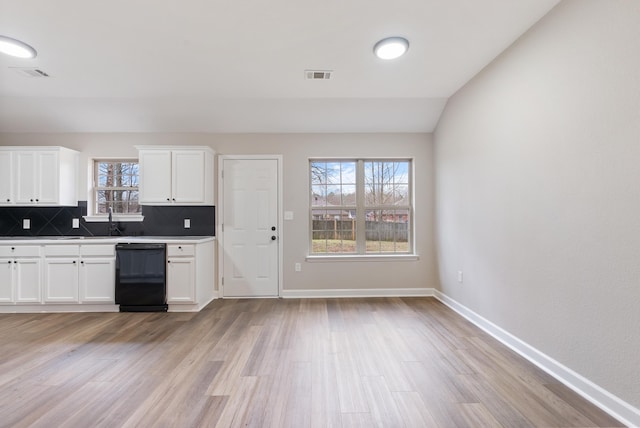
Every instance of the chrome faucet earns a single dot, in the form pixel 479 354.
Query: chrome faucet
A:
pixel 112 227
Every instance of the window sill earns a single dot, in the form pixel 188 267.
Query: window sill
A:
pixel 364 258
pixel 116 218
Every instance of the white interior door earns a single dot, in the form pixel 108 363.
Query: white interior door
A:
pixel 250 227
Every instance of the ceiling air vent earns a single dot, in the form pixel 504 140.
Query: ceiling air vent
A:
pixel 318 74
pixel 29 72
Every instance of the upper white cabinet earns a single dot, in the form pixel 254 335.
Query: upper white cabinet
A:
pixel 180 176
pixel 38 176
pixel 6 177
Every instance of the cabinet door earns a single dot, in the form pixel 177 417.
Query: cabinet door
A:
pixel 47 177
pixel 97 280
pixel 188 176
pixel 181 280
pixel 61 280
pixel 6 281
pixel 25 177
pixel 28 280
pixel 6 177
pixel 155 176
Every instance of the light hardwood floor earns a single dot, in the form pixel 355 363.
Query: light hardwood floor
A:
pixel 391 362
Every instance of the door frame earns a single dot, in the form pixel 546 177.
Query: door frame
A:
pixel 220 219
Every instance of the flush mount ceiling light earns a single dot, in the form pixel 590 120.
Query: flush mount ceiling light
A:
pixel 16 48
pixel 391 47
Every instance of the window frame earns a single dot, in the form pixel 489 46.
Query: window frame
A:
pixel 361 209
pixel 92 208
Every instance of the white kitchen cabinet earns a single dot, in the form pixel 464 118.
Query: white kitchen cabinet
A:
pixel 20 273
pixel 6 177
pixel 28 280
pixel 181 274
pixel 61 280
pixel 97 273
pixel 6 280
pixel 180 176
pixel 190 276
pixel 39 175
pixel 84 274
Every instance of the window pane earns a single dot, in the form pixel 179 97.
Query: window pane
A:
pixel 387 231
pixel 117 184
pixel 335 187
pixel 318 195
pixel 333 231
pixel 385 181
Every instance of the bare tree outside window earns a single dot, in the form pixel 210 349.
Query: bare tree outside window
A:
pixel 377 221
pixel 116 186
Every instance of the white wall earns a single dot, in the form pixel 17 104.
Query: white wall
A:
pixel 296 150
pixel 538 191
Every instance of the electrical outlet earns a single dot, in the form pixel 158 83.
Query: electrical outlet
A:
pixel 288 215
pixel 298 267
pixel 26 223
pixel 75 223
pixel 187 223
pixel 460 276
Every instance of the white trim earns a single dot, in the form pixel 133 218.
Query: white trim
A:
pixel 220 217
pixel 55 308
pixel 364 258
pixel 368 292
pixel 616 407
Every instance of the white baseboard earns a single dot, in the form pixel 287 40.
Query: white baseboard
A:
pixel 57 308
pixel 608 402
pixel 369 292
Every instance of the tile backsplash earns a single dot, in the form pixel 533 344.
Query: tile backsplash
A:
pixel 58 221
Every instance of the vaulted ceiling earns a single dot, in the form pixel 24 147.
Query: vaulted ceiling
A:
pixel 239 65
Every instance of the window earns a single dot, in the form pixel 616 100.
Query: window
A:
pixel 361 207
pixel 116 186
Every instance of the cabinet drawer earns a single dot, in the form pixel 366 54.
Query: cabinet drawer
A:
pixel 106 250
pixel 61 250
pixel 176 250
pixel 19 251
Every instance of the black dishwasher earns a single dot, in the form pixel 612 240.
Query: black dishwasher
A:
pixel 141 277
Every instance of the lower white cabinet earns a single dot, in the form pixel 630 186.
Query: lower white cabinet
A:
pixel 20 274
pixel 61 279
pixel 181 279
pixel 190 275
pixel 97 279
pixel 79 273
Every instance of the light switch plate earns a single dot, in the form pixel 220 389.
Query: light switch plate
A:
pixel 187 223
pixel 26 223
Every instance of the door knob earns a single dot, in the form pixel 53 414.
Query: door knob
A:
pixel 273 238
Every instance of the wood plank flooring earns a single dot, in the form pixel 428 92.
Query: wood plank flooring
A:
pixel 388 362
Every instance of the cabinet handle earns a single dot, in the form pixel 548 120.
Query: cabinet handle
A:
pixel 9 262
pixel 168 200
pixel 13 248
pixel 174 199
pixel 8 200
pixel 37 200
pixel 30 200
pixel 15 261
pixel 82 262
pixel 74 262
pixel 168 261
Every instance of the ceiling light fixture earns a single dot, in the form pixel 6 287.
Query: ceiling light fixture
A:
pixel 391 47
pixel 16 48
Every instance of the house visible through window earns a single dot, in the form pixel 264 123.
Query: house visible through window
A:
pixel 361 206
pixel 116 186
